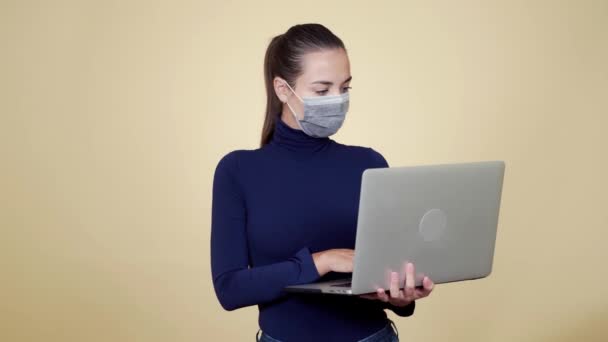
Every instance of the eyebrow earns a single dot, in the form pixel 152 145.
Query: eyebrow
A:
pixel 330 83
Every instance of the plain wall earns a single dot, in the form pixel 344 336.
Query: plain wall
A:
pixel 114 115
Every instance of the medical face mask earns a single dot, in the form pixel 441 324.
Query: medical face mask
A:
pixel 323 115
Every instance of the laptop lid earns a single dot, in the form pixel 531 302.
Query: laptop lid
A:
pixel 442 217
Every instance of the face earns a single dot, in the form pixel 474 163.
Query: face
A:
pixel 325 72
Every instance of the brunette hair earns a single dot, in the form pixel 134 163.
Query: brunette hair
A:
pixel 283 58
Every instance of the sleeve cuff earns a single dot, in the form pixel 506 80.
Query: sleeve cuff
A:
pixel 403 311
pixel 308 269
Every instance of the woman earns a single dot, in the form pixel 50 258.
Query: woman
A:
pixel 286 213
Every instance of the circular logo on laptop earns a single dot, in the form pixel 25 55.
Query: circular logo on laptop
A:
pixel 432 224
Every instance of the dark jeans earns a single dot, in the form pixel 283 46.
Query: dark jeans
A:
pixel 387 334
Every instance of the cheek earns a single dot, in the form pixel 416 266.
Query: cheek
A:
pixel 297 105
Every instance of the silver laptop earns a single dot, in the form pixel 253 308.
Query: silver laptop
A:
pixel 443 218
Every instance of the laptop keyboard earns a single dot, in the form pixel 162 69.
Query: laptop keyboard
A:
pixel 342 284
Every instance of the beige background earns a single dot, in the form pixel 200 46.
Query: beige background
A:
pixel 115 113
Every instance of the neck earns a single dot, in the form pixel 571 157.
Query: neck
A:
pixel 288 118
pixel 286 135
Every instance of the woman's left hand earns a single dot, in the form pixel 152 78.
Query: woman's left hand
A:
pixel 409 293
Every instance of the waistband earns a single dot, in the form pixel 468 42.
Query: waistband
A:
pixel 378 334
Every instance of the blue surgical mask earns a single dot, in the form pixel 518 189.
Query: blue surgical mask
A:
pixel 323 115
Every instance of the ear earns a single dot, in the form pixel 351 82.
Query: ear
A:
pixel 280 88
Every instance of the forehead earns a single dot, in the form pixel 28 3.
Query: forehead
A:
pixel 328 65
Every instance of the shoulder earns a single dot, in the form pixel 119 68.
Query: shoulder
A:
pixel 377 158
pixel 373 156
pixel 227 175
pixel 234 160
pixel 229 162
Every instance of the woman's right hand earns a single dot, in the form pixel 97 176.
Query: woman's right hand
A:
pixel 335 260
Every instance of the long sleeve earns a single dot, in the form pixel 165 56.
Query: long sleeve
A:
pixel 403 311
pixel 378 159
pixel 236 284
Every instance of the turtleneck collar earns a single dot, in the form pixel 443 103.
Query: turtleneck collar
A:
pixel 295 139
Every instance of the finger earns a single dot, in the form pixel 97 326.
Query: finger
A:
pixel 382 295
pixel 409 281
pixel 344 266
pixel 348 262
pixel 421 294
pixel 351 266
pixel 428 286
pixel 395 285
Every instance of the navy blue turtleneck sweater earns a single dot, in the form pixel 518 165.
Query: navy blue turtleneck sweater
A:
pixel 273 207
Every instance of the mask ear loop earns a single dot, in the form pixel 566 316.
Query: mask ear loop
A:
pixel 291 109
pixel 294 112
pixel 293 92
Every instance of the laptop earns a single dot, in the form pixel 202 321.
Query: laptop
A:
pixel 442 217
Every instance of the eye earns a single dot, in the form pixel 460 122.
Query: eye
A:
pixel 323 92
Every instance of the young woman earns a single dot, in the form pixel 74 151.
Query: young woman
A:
pixel 286 213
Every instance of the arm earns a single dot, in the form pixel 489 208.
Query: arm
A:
pixel 236 285
pixel 403 311
pixel 378 159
